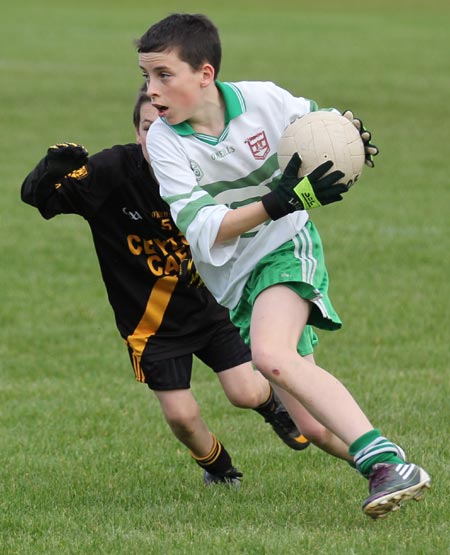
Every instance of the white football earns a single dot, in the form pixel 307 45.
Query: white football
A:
pixel 321 136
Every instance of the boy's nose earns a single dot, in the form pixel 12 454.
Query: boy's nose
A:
pixel 151 90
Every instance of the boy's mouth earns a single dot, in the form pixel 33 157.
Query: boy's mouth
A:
pixel 161 109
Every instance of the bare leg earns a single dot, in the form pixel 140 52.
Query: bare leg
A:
pixel 182 413
pixel 244 387
pixel 278 319
pixel 248 388
pixel 311 428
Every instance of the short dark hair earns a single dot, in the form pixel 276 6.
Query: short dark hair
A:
pixel 194 36
pixel 141 99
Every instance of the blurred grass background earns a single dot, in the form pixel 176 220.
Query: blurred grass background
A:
pixel 87 464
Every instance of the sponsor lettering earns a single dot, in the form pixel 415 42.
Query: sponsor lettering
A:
pixel 132 214
pixel 220 154
pixel 164 256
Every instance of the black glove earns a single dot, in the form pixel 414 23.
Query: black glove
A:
pixel 369 149
pixel 188 273
pixel 64 158
pixel 294 193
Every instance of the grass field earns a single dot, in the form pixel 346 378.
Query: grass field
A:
pixel 87 464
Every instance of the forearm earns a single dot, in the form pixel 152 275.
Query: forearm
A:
pixel 241 220
pixel 40 188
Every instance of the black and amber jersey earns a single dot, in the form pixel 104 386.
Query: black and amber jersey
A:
pixel 138 247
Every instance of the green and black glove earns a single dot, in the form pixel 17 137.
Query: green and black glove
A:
pixel 64 158
pixel 303 193
pixel 370 150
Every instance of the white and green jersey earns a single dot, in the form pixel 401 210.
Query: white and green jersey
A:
pixel 202 177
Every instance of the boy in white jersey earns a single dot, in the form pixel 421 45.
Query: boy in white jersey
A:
pixel 213 151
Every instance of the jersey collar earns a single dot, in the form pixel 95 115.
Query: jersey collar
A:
pixel 234 106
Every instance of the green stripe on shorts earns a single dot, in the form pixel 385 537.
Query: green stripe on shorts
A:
pixel 300 265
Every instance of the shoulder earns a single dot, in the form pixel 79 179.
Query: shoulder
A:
pixel 249 88
pixel 161 139
pixel 268 98
pixel 119 160
pixel 160 129
pixel 263 95
pixel 115 155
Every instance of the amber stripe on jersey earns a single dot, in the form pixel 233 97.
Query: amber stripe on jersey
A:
pixel 151 320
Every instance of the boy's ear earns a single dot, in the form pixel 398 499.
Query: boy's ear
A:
pixel 208 74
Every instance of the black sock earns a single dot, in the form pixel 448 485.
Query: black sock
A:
pixel 269 406
pixel 217 461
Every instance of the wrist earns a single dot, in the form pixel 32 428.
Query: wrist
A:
pixel 52 172
pixel 274 208
pixel 306 195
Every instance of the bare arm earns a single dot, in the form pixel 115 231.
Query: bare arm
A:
pixel 240 220
pixel 291 193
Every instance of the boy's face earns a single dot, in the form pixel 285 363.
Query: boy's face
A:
pixel 175 88
pixel 148 115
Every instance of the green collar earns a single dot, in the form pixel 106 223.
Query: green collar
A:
pixel 234 106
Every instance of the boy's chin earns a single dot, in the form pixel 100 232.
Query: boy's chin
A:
pixel 172 120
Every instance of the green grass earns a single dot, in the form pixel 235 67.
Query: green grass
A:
pixel 87 464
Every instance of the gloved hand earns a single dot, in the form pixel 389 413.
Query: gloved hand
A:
pixel 303 193
pixel 369 149
pixel 188 274
pixel 64 158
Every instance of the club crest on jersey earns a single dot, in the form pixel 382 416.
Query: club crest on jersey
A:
pixel 259 145
pixel 198 172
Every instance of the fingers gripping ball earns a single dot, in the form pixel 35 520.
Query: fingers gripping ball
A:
pixel 292 192
pixel 323 185
pixel 370 150
pixel 64 158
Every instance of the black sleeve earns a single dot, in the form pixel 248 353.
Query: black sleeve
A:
pixel 39 190
pixel 82 192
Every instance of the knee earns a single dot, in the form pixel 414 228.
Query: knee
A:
pixel 245 398
pixel 183 420
pixel 265 359
pixel 275 364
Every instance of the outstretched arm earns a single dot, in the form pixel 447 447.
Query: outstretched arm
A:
pixel 40 186
pixel 292 193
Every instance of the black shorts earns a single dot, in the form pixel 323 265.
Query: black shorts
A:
pixel 222 348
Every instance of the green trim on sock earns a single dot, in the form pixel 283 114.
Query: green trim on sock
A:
pixel 373 448
pixel 363 441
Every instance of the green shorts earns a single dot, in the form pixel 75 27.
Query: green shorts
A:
pixel 300 265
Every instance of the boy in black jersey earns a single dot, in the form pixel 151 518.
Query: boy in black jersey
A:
pixel 161 308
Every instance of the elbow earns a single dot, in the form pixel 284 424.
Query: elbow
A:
pixel 27 197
